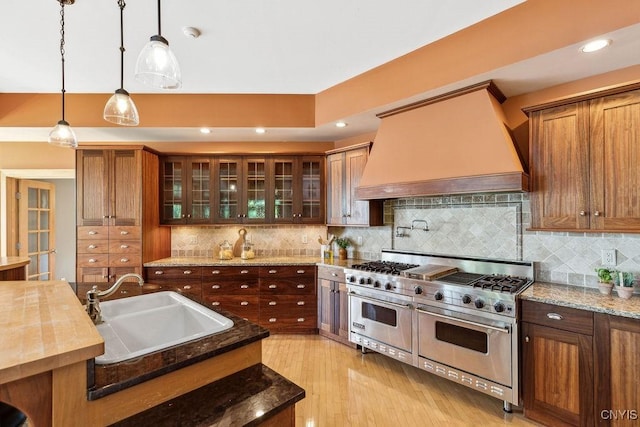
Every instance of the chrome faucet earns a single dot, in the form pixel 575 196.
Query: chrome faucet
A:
pixel 94 295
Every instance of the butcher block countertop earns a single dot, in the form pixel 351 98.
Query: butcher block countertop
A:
pixel 8 263
pixel 43 326
pixel 583 298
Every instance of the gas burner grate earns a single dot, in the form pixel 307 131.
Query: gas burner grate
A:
pixel 507 284
pixel 385 267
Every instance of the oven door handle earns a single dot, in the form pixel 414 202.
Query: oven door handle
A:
pixel 505 330
pixel 379 301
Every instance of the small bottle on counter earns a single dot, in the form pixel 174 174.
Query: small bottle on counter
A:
pixel 247 251
pixel 226 251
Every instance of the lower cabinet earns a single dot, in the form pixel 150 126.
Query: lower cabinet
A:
pixel 235 289
pixel 333 309
pixel 557 360
pixel 183 280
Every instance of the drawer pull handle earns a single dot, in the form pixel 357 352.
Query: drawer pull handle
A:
pixel 300 271
pixel 300 302
pixel 92 260
pixel 244 271
pixel 215 272
pixel 93 233
pixel 244 303
pixel 124 291
pixel 186 272
pixel 92 246
pixel 300 319
pixel 123 260
pixel 244 286
pixel 273 320
pixel 215 303
pixel 273 286
pixel 272 303
pixel 215 286
pixel 334 274
pixel 124 246
pixel 186 287
pixel 124 233
pixel 273 271
pixel 526 339
pixel 554 316
pixel 301 286
pixel 158 272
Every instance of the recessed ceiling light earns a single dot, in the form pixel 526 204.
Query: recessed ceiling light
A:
pixel 260 130
pixel 341 125
pixel 205 130
pixel 595 45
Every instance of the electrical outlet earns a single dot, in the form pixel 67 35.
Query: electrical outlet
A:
pixel 609 257
pixel 359 240
pixel 193 240
pixel 304 239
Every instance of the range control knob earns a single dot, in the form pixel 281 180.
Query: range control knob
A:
pixel 466 299
pixel 352 279
pixel 479 303
pixel 377 284
pixel 388 286
pixel 498 307
pixel 369 281
pixel 418 290
pixel 438 296
pixel 361 281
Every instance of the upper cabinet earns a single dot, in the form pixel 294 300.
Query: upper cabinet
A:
pixel 242 190
pixel 344 169
pixel 585 166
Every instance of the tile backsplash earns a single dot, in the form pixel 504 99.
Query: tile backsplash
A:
pixel 479 225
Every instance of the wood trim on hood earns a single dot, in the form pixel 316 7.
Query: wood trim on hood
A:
pixel 455 143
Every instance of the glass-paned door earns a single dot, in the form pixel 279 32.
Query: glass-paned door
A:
pixel 200 191
pixel 172 190
pixel 255 181
pixel 36 224
pixel 228 192
pixel 283 190
pixel 312 189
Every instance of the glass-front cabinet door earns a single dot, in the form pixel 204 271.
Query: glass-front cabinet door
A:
pixel 199 195
pixel 186 190
pixel 228 198
pixel 283 193
pixel 312 190
pixel 255 190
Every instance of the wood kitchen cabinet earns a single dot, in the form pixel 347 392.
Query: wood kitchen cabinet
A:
pixel 585 166
pixel 344 170
pixel 333 304
pixel 617 369
pixel 557 360
pixel 298 183
pixel 117 212
pixel 185 280
pixel 288 299
pixel 235 289
pixel 186 190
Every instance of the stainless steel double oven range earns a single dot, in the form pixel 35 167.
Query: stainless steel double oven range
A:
pixel 453 316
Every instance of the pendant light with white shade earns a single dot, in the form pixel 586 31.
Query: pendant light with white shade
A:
pixel 157 66
pixel 120 109
pixel 62 135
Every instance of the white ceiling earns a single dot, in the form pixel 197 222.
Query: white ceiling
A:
pixel 257 46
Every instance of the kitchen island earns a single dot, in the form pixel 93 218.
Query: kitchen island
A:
pixel 47 349
pixel 13 268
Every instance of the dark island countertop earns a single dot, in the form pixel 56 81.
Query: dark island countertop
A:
pixel 583 298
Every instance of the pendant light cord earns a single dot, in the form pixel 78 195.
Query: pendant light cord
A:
pixel 62 51
pixel 159 27
pixel 122 5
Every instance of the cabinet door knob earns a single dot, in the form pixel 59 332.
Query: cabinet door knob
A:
pixel 596 213
pixel 526 339
pixel 554 316
pixel 583 213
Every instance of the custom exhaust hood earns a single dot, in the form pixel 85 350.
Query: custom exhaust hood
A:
pixel 451 144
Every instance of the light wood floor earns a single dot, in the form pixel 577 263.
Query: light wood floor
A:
pixel 345 388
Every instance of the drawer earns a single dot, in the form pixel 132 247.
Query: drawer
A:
pixel 124 260
pixel 288 305
pixel 98 246
pixel 122 232
pixel 288 324
pixel 234 273
pixel 331 273
pixel 192 290
pixel 246 307
pixel 173 273
pixel 125 247
pixel 555 316
pixel 230 287
pixel 92 233
pixel 289 287
pixel 289 272
pixel 93 260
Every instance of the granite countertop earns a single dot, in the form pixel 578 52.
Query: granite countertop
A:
pixel 239 262
pixel 44 327
pixel 246 398
pixel 583 298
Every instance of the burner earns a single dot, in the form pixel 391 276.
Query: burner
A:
pixel 501 283
pixel 385 267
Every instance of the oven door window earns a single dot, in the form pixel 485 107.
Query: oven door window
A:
pixel 462 337
pixel 380 314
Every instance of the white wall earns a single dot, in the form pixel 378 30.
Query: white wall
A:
pixel 65 243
